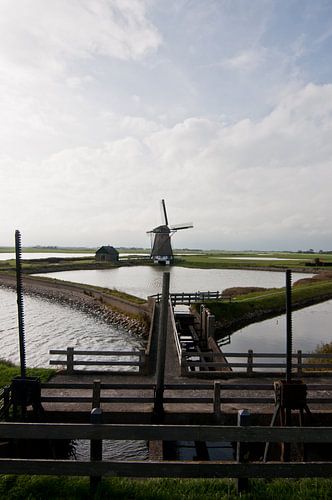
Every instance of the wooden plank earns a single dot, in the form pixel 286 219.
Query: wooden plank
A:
pixel 173 400
pixel 165 432
pixel 165 469
pixel 106 363
pixel 96 353
pixel 123 386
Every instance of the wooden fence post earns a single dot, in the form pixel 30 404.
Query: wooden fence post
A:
pixel 96 394
pixel 299 363
pixel 184 365
pixel 250 362
pixel 142 362
pixel 242 450
pixel 70 360
pixel 216 400
pixel 96 448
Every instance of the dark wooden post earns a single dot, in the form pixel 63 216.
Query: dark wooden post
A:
pixel 96 394
pixel 216 400
pixel 161 354
pixel 242 450
pixel 143 365
pixel 299 363
pixel 70 360
pixel 96 448
pixel 250 361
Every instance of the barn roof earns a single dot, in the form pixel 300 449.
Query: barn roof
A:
pixel 107 249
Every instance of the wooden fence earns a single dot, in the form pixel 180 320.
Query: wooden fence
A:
pixel 190 297
pixel 210 395
pixel 213 364
pixel 97 467
pixel 132 359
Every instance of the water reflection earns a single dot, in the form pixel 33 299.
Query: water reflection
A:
pixel 311 327
pixel 146 280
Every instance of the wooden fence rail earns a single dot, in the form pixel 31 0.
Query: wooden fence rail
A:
pixel 191 297
pixel 137 359
pixel 193 362
pixel 149 468
pixel 216 394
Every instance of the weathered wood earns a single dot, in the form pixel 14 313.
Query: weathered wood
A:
pixel 250 362
pixel 103 386
pixel 216 400
pixel 165 432
pixel 79 352
pixel 96 448
pixel 70 359
pixel 243 419
pixel 165 469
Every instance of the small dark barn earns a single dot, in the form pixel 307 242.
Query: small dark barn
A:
pixel 107 254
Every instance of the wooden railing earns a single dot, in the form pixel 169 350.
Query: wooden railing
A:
pixel 214 394
pixel 190 297
pixel 251 365
pixel 136 359
pixel 97 467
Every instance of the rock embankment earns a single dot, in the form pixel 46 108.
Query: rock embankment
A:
pixel 79 299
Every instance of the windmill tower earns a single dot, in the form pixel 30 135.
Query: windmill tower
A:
pixel 161 251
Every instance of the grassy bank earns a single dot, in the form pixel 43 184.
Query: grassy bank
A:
pixel 53 488
pixel 249 308
pixel 8 371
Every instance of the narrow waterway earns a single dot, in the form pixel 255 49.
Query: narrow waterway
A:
pixel 311 327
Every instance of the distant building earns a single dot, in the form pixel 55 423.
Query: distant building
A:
pixel 107 254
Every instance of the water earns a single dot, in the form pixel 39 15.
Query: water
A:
pixel 311 327
pixel 49 325
pixel 147 280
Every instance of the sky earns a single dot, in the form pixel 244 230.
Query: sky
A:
pixel 221 107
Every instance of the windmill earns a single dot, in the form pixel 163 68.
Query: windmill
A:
pixel 161 251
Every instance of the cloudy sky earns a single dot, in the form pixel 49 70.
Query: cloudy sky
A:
pixel 222 107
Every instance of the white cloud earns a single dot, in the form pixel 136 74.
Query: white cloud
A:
pixel 241 184
pixel 247 60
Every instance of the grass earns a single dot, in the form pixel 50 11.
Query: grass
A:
pixel 255 306
pixel 225 260
pixel 54 488
pixel 322 349
pixel 8 371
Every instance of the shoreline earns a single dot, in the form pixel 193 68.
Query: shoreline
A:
pixel 79 298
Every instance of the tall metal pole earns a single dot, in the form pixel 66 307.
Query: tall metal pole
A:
pixel 161 354
pixel 289 332
pixel 19 291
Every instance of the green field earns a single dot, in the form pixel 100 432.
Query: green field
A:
pixel 265 260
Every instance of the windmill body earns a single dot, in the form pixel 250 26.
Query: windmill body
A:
pixel 161 251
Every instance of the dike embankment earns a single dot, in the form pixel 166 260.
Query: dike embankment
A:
pixel 236 315
pixel 133 316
